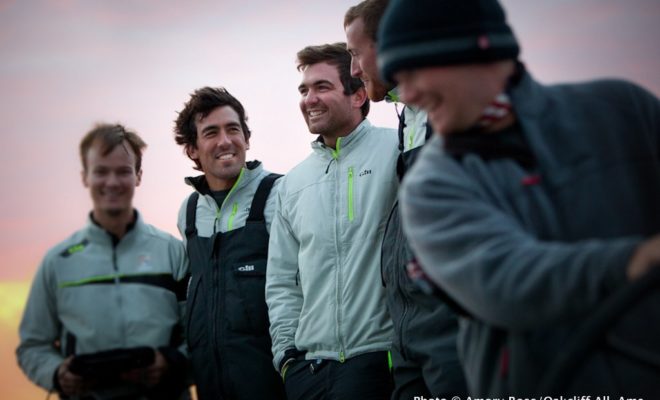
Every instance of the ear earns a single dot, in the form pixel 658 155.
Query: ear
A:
pixel 191 151
pixel 247 143
pixel 138 177
pixel 83 178
pixel 359 97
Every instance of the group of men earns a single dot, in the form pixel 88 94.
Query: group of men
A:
pixel 527 209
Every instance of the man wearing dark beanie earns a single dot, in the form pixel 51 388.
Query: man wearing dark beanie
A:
pixel 538 208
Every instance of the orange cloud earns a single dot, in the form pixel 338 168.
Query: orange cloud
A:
pixel 13 384
pixel 12 300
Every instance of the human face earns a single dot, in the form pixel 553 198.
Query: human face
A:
pixel 326 109
pixel 453 96
pixel 111 180
pixel 363 60
pixel 220 147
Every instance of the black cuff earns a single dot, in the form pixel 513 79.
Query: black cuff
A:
pixel 176 361
pixel 289 354
pixel 56 382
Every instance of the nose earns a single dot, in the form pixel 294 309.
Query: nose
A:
pixel 356 71
pixel 112 179
pixel 310 98
pixel 223 139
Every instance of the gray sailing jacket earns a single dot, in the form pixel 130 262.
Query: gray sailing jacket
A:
pixel 531 253
pixel 91 296
pixel 235 209
pixel 323 285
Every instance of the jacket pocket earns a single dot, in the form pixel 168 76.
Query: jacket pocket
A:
pixel 251 313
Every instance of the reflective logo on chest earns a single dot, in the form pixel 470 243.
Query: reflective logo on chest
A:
pixel 246 268
pixel 144 261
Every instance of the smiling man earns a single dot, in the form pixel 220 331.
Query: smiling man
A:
pixel 539 204
pixel 329 322
pixel 225 226
pixel 114 285
pixel 424 356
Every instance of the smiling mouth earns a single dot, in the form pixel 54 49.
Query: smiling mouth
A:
pixel 315 113
pixel 225 156
pixel 112 196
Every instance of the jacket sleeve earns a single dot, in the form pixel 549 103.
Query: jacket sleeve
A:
pixel 181 220
pixel 283 294
pixel 486 261
pixel 181 274
pixel 647 107
pixel 39 330
pixel 271 204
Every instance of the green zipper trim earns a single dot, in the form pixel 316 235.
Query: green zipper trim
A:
pixel 230 223
pixel 393 96
pixel 234 207
pixel 350 194
pixel 390 364
pixel 411 138
pixel 88 280
pixel 335 153
pixel 101 278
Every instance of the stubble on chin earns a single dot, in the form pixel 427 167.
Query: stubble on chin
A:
pixel 113 212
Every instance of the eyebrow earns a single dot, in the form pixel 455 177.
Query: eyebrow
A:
pixel 214 127
pixel 316 83
pixel 209 128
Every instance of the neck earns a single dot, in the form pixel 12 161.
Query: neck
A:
pixel 115 224
pixel 331 140
pixel 217 185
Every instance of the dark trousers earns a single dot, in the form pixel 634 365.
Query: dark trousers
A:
pixel 409 380
pixel 364 377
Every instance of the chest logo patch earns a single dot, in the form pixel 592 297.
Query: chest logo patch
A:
pixel 144 261
pixel 246 268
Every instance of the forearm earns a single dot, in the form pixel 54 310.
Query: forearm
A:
pixel 284 301
pixel 501 273
pixel 39 363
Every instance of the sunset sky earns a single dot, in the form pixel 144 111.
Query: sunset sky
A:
pixel 66 64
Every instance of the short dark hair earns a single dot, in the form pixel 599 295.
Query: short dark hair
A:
pixel 337 55
pixel 371 11
pixel 201 103
pixel 111 136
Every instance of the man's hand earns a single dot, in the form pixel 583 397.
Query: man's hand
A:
pixel 70 383
pixel 645 257
pixel 148 376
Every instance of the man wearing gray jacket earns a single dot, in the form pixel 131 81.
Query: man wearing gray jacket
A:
pixel 115 285
pixel 329 322
pixel 538 207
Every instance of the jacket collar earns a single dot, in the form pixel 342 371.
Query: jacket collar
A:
pixel 96 233
pixel 344 143
pixel 528 97
pixel 392 96
pixel 248 173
